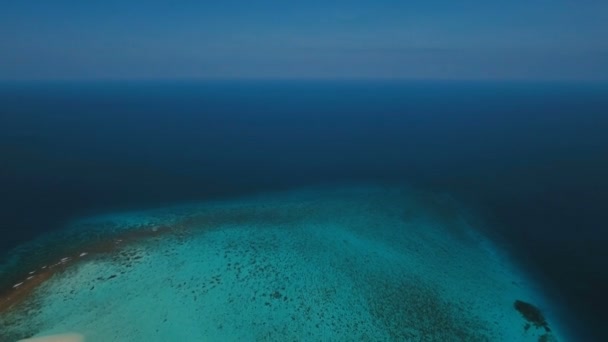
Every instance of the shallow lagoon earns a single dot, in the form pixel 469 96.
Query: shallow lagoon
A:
pixel 366 263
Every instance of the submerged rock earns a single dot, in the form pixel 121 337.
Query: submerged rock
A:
pixel 532 314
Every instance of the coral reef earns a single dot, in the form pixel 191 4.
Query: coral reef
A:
pixel 532 314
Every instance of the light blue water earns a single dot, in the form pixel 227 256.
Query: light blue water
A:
pixel 348 264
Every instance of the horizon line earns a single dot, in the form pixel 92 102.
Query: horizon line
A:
pixel 300 79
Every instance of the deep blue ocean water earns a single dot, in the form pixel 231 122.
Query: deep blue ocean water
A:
pixel 531 158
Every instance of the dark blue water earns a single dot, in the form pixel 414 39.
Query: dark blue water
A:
pixel 531 158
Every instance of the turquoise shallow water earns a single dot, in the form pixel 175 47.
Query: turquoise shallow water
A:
pixel 349 264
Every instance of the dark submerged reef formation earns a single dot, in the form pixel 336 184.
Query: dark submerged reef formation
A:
pixel 532 314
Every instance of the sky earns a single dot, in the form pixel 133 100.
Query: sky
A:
pixel 326 39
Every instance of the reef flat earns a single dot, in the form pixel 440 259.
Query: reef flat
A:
pixel 350 264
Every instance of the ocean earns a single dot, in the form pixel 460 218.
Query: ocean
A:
pixel 525 162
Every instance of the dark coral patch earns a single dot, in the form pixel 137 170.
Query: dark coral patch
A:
pixel 415 311
pixel 532 314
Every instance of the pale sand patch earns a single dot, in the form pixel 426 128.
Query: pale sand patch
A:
pixel 70 337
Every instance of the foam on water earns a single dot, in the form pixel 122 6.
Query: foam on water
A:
pixel 358 264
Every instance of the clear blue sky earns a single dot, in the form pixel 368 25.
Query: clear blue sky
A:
pixel 420 39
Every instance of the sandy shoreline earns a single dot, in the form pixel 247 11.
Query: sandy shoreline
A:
pixel 69 337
